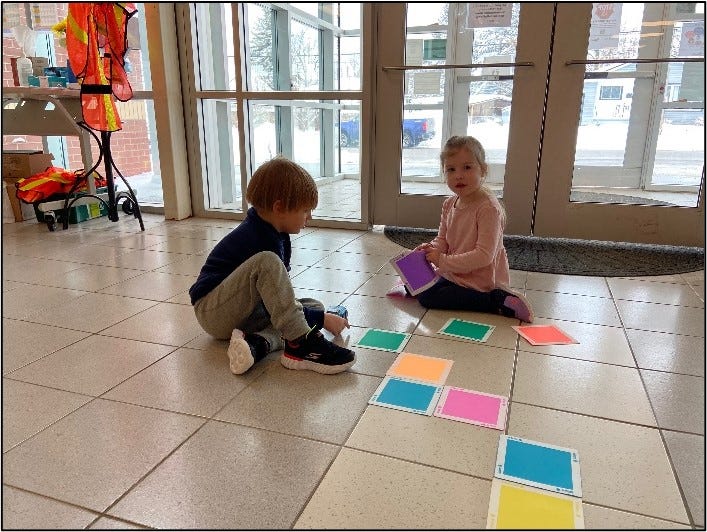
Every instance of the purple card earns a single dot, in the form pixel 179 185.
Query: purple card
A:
pixel 415 271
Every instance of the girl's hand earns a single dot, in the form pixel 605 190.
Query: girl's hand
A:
pixel 433 255
pixel 423 247
pixel 335 324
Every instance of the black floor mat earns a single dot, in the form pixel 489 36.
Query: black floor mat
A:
pixel 579 257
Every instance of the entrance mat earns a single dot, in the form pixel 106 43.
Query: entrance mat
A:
pixel 578 257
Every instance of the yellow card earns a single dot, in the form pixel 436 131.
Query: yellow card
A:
pixel 514 506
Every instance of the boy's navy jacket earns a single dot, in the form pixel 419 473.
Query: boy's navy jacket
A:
pixel 252 236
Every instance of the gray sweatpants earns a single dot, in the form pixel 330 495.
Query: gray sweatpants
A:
pixel 256 298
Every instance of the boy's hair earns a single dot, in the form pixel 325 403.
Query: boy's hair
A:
pixel 281 179
pixel 456 143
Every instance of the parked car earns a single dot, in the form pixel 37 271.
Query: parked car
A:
pixel 415 130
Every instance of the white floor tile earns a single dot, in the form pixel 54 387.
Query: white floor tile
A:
pixel 113 392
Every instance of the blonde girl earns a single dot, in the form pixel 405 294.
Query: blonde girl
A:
pixel 468 251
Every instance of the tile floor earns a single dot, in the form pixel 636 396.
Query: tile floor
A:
pixel 119 413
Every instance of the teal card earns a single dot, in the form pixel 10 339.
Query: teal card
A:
pixel 467 330
pixel 540 465
pixel 409 396
pixel 383 340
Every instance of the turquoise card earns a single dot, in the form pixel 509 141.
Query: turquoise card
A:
pixel 540 465
pixel 410 396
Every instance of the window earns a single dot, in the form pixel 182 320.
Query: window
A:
pixel 285 50
pixel 611 92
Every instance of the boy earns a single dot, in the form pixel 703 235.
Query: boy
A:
pixel 244 292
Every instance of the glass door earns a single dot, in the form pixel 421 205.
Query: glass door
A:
pixel 623 150
pixel 458 69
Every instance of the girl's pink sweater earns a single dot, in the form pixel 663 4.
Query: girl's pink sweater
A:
pixel 471 241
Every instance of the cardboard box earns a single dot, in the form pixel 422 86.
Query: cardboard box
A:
pixel 19 164
pixel 14 202
pixel 20 211
pixel 38 65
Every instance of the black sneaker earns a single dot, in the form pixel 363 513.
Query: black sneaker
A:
pixel 315 352
pixel 245 350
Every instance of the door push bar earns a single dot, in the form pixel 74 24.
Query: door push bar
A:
pixel 620 61
pixel 472 65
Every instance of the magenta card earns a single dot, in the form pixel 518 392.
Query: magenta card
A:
pixel 468 406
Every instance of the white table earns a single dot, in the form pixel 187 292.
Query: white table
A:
pixel 26 111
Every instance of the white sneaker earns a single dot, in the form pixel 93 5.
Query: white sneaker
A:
pixel 240 353
pixel 398 290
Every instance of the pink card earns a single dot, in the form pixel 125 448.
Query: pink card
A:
pixel 544 335
pixel 468 406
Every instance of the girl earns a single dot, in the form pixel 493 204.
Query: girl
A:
pixel 468 251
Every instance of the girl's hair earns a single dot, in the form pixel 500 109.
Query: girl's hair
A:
pixel 456 143
pixel 473 146
pixel 281 179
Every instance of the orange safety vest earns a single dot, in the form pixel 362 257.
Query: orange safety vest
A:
pixel 91 26
pixel 53 180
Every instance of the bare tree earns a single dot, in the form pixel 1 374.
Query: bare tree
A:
pixel 303 56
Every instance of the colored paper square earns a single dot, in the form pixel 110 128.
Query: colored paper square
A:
pixel 540 465
pixel 472 407
pixel 421 368
pixel 517 507
pixel 467 330
pixel 415 271
pixel 383 340
pixel 544 335
pixel 410 396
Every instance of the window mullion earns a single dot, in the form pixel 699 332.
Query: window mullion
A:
pixel 283 115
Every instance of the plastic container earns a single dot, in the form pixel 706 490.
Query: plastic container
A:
pixel 77 213
pixel 24 71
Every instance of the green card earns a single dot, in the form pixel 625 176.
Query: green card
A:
pixel 383 340
pixel 467 330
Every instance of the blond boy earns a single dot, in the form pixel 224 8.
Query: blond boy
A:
pixel 244 293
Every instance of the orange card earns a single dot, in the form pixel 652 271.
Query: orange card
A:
pixel 421 368
pixel 544 335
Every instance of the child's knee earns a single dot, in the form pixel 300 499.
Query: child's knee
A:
pixel 267 257
pixel 265 260
pixel 312 303
pixel 425 299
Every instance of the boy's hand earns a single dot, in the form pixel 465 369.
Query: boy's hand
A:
pixel 335 324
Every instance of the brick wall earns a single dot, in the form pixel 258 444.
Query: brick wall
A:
pixel 130 146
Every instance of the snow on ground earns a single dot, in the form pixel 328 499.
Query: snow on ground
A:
pixel 680 156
